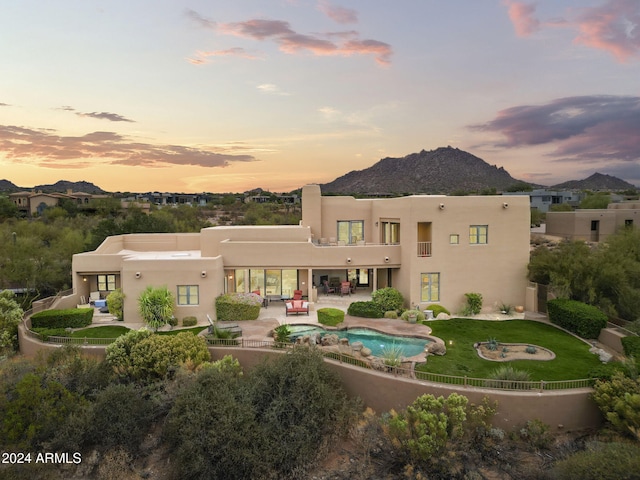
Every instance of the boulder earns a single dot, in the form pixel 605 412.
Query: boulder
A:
pixel 443 316
pixel 344 341
pixel 436 348
pixel 357 346
pixel 365 352
pixel 315 339
pixel 329 340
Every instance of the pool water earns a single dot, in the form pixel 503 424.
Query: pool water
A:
pixel 377 342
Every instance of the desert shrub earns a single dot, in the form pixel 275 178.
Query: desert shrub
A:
pixel 297 414
pixel 601 461
pixel 631 346
pixel 69 318
pixel 388 298
pixel 531 350
pixel 391 314
pixel 115 302
pixel 473 305
pixel 392 355
pixel 492 344
pixel 238 306
pixel 10 317
pixel 33 410
pixel 605 371
pixel 419 315
pixel 141 354
pixel 120 415
pixel 365 309
pixel 173 321
pixel 281 333
pixel 508 377
pixel 330 316
pixel 619 401
pixel 437 309
pixel 577 317
pixel 536 433
pixel 189 321
pixel 424 428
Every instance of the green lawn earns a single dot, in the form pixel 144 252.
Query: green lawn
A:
pixel 106 331
pixel 194 330
pixel 573 359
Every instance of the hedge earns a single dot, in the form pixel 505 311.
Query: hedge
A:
pixel 70 318
pixel 437 309
pixel 238 306
pixel 365 309
pixel 631 346
pixel 330 316
pixel 577 317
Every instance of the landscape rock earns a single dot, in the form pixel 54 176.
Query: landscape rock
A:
pixel 357 346
pixel 365 352
pixel 343 341
pixel 329 340
pixel 436 348
pixel 443 316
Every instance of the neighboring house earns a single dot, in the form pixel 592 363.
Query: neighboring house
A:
pixel 542 200
pixel 434 249
pixel 34 203
pixel 593 225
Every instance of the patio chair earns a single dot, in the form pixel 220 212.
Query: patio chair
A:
pixel 297 294
pixel 345 288
pixel 328 289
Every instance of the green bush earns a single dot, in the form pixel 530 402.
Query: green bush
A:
pixel 391 314
pixel 388 298
pixel 420 317
pixel 619 401
pixel 330 316
pixel 70 318
pixel 584 320
pixel 189 321
pixel 115 302
pixel 437 309
pixel 631 346
pixel 238 306
pixel 601 461
pixel 365 309
pixel 473 305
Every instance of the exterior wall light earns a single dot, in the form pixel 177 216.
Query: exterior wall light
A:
pixel 505 205
pixel 138 275
pixel 203 273
pixel 441 206
pixel 349 260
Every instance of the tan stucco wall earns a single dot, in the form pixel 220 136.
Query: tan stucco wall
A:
pixel 576 225
pixel 571 409
pixel 612 339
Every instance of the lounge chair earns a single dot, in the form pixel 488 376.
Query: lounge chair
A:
pixel 296 306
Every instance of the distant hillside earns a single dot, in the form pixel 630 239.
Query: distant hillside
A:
pixel 7 186
pixel 59 187
pixel 597 181
pixel 440 171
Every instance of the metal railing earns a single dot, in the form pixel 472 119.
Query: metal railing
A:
pixel 424 249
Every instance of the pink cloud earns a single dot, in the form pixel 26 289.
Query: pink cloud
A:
pixel 613 27
pixel 202 56
pixel 522 17
pixel 292 42
pixel 338 14
pixel 48 149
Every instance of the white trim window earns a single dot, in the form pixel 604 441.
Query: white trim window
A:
pixel 478 234
pixel 188 295
pixel 430 287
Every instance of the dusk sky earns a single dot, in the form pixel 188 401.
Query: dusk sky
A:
pixel 218 96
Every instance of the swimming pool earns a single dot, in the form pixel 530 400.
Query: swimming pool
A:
pixel 377 342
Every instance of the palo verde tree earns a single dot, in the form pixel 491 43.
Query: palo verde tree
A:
pixel 156 306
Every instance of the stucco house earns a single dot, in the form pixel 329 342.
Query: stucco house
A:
pixel 593 225
pixel 434 249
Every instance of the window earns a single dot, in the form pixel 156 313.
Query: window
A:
pixel 188 295
pixel 628 223
pixel 454 239
pixel 478 234
pixel 106 283
pixel 273 282
pixel 350 231
pixel 390 232
pixel 430 287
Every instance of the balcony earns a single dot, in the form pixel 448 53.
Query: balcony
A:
pixel 424 249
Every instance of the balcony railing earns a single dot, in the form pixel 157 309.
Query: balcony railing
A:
pixel 424 249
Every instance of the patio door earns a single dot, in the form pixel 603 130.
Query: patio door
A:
pixel 361 276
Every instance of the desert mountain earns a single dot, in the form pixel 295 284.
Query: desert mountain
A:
pixel 440 171
pixel 61 186
pixel 597 181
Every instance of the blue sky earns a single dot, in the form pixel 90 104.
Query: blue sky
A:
pixel 228 96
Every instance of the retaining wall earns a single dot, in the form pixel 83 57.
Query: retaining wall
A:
pixel 560 409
